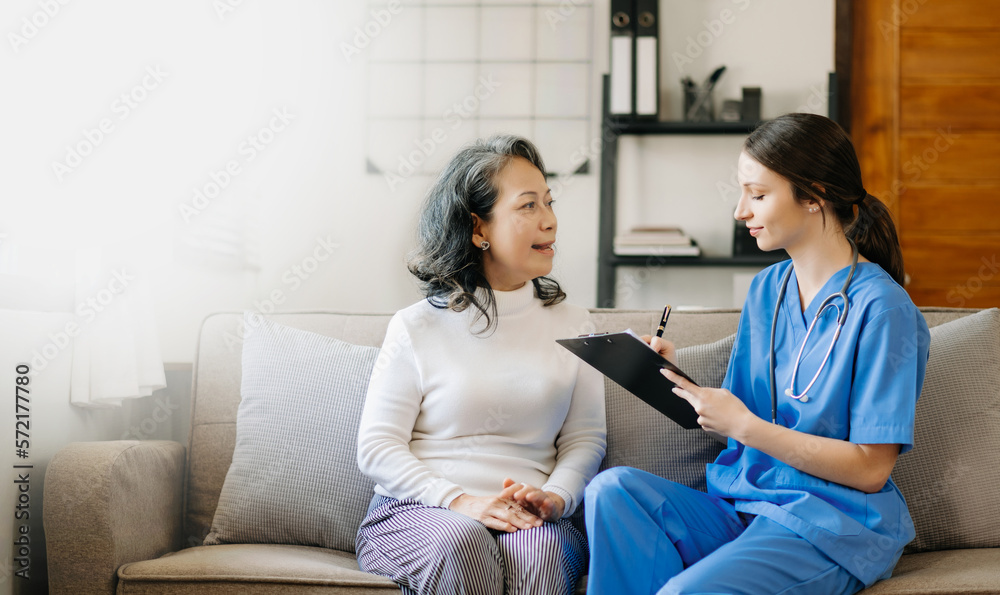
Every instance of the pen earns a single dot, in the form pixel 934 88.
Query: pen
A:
pixel 663 321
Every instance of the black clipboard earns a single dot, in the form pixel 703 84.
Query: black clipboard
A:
pixel 626 359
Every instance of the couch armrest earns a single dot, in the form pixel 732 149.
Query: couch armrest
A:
pixel 107 504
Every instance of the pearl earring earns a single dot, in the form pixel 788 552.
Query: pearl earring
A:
pixel 813 210
pixel 484 245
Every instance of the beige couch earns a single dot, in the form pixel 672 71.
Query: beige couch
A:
pixel 130 516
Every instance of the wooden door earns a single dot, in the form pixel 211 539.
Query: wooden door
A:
pixel 925 118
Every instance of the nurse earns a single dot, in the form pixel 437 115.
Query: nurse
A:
pixel 801 501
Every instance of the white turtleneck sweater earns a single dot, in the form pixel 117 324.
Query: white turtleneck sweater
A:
pixel 450 411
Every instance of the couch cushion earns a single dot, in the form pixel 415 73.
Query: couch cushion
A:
pixel 216 397
pixel 950 479
pixel 945 572
pixel 258 568
pixel 642 437
pixel 294 477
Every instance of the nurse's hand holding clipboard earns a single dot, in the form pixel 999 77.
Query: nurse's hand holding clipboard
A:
pixel 719 410
pixel 662 346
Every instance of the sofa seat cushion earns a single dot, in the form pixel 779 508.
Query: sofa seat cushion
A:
pixel 943 572
pixel 251 568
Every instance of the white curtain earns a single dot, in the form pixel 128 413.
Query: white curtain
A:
pixel 116 354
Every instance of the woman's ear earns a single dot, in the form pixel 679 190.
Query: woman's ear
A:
pixel 477 230
pixel 816 200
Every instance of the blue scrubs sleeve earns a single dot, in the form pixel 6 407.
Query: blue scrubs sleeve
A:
pixel 889 371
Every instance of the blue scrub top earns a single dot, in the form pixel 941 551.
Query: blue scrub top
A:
pixel 867 394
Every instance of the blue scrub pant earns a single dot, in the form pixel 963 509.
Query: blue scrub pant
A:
pixel 650 535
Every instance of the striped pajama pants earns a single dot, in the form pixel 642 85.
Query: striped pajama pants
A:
pixel 432 550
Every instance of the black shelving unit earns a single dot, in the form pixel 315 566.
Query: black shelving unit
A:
pixel 646 127
pixel 696 261
pixel 611 129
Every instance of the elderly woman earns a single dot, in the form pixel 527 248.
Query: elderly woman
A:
pixel 473 391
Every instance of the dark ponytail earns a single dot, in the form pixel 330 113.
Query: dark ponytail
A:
pixel 816 155
pixel 875 234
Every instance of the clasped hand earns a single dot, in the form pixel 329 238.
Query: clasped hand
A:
pixel 517 506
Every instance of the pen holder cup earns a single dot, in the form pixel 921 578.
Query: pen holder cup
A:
pixel 698 105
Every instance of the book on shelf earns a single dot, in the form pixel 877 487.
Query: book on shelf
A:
pixel 655 241
pixel 654 235
pixel 657 250
pixel 645 240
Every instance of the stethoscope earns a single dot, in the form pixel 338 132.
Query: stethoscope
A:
pixel 841 318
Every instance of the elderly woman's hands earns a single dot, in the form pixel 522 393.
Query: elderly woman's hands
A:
pixel 547 506
pixel 502 512
pixel 517 506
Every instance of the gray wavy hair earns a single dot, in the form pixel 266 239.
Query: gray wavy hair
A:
pixel 448 265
